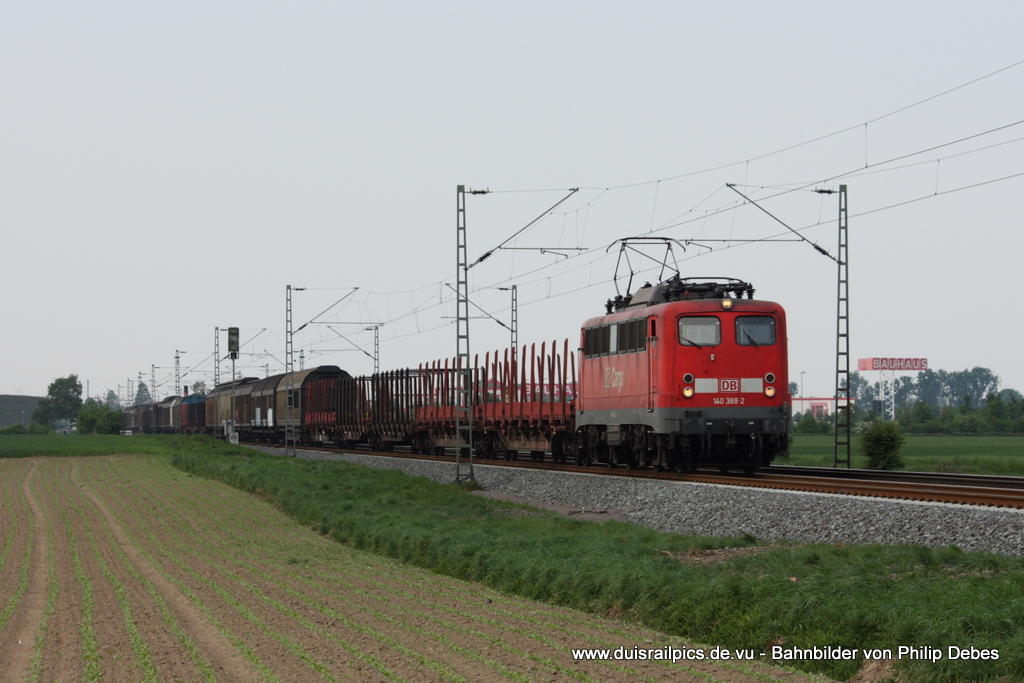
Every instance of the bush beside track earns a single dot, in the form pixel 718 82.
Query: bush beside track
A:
pixel 798 597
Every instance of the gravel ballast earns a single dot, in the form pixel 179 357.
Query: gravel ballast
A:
pixel 718 510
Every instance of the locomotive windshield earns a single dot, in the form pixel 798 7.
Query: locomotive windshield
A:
pixel 755 330
pixel 700 331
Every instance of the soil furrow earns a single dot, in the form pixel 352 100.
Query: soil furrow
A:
pixel 146 524
pixel 188 634
pixel 369 633
pixel 462 634
pixel 52 593
pixel 124 569
pixel 495 633
pixel 61 656
pixel 301 639
pixel 432 591
pixel 158 654
pixel 20 617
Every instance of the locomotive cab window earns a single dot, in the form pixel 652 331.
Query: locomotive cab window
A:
pixel 700 331
pixel 755 330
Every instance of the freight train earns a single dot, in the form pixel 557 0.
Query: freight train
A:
pixel 682 374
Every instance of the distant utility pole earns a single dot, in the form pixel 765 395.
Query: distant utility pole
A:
pixel 292 397
pixel 463 369
pixel 376 348
pixel 177 373
pixel 515 318
pixel 844 417
pixel 233 352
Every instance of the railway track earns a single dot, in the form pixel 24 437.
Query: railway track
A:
pixel 939 487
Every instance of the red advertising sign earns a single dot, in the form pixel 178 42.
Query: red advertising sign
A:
pixel 903 364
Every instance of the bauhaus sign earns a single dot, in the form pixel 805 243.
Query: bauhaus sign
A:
pixel 906 364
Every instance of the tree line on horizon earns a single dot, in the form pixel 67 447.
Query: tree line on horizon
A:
pixel 935 402
pixel 63 404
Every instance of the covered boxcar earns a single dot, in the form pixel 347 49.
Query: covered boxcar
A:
pixel 219 404
pixel 192 414
pixel 306 402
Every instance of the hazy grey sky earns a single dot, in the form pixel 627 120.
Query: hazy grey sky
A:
pixel 168 169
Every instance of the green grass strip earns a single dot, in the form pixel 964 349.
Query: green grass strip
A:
pixel 88 445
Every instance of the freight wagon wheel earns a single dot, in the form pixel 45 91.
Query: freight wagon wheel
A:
pixel 558 447
pixel 581 455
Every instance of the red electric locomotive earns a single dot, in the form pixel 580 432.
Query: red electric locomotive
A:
pixel 682 374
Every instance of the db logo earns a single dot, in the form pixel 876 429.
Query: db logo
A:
pixel 730 385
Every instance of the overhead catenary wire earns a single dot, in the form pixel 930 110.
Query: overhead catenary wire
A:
pixel 819 138
pixel 354 290
pixel 572 191
pixel 818 248
pixel 587 257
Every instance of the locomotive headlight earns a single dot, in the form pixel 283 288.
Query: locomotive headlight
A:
pixel 688 378
pixel 727 304
pixel 769 391
pixel 687 392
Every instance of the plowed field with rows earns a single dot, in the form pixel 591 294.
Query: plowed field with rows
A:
pixel 125 569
